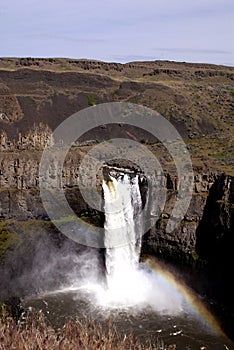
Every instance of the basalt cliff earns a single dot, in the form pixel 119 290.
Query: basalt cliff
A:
pixel 36 95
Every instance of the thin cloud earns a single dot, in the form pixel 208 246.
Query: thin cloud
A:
pixel 129 58
pixel 66 38
pixel 194 51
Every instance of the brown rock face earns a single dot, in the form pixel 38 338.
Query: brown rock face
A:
pixel 10 110
pixel 36 95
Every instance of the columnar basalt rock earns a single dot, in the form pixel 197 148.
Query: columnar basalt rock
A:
pixel 20 197
pixel 35 139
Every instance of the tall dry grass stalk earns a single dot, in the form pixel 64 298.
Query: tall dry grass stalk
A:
pixel 35 334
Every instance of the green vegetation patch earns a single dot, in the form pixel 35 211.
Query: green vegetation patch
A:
pixel 91 99
pixel 195 256
pixel 8 238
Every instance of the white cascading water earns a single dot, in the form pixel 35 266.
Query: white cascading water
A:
pixel 123 226
pixel 129 284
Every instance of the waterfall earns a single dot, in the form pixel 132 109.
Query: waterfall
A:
pixel 129 282
pixel 123 230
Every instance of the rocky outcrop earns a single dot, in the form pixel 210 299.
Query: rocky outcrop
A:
pixel 189 75
pixel 181 244
pixel 10 110
pixel 37 138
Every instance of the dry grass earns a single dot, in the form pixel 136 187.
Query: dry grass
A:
pixel 35 334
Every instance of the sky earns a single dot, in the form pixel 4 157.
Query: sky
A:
pixel 119 31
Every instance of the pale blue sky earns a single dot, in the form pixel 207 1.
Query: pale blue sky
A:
pixel 121 31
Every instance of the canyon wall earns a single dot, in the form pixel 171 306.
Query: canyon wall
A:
pixel 211 203
pixel 201 246
pixel 36 95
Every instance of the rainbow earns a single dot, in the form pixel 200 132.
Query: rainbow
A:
pixel 188 295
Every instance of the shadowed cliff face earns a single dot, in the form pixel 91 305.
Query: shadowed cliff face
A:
pixel 205 233
pixel 215 242
pixel 202 246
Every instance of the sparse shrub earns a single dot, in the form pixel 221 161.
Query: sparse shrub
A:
pixel 91 99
